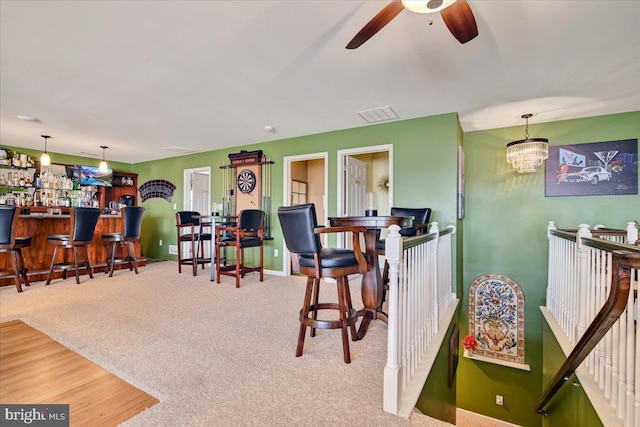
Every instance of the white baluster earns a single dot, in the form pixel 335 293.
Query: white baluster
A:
pixel 392 371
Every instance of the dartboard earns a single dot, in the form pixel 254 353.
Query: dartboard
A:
pixel 246 181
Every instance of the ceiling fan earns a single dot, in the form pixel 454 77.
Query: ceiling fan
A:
pixel 457 15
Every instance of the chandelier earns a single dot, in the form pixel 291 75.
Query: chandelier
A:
pixel 527 154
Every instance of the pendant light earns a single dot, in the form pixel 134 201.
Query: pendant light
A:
pixel 45 160
pixel 527 154
pixel 103 164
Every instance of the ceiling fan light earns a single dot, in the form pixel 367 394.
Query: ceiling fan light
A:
pixel 426 6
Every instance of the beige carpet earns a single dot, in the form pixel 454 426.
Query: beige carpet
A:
pixel 212 354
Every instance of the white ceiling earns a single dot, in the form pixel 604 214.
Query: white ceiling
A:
pixel 140 76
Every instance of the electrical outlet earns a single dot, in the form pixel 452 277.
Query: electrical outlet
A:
pixel 175 206
pixel 275 252
pixel 499 400
pixel 160 242
pixel 173 249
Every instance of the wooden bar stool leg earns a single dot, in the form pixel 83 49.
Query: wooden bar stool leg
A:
pixel 23 268
pixel 14 257
pixel 88 263
pixel 53 262
pixel 347 293
pixel 304 315
pixel 239 265
pixel 112 258
pixel 316 292
pixel 75 264
pixel 132 255
pixel 344 318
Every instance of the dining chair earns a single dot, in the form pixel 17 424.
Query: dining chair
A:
pixel 190 229
pixel 82 226
pixel 9 242
pixel 247 233
pixel 420 226
pixel 131 225
pixel 301 234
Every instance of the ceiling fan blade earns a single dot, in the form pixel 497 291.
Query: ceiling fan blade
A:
pixel 460 21
pixel 376 24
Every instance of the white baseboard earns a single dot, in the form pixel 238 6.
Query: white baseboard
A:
pixel 483 418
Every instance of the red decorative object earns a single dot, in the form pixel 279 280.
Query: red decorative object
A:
pixel 469 342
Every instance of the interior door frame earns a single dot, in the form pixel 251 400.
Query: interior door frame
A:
pixel 186 201
pixel 286 191
pixel 341 172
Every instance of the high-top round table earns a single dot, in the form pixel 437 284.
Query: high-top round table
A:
pixel 372 286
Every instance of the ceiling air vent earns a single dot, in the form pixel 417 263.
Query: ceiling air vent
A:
pixel 380 114
pixel 88 154
pixel 179 150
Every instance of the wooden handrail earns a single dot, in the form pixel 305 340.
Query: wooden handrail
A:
pixel 623 262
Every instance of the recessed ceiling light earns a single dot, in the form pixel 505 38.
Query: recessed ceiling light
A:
pixel 269 128
pixel 27 118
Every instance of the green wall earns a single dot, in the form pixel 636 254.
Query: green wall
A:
pixel 505 233
pixel 438 399
pixel 506 215
pixel 429 141
pixel 570 406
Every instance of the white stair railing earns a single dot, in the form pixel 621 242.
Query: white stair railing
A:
pixel 421 304
pixel 579 283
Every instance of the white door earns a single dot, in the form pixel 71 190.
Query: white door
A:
pixel 197 197
pixel 356 185
pixel 200 193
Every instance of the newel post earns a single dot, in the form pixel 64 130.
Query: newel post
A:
pixel 632 233
pixel 583 280
pixel 392 375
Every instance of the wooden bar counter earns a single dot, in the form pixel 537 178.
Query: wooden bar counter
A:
pixel 37 257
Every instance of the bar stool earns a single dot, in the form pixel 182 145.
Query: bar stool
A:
pixel 189 228
pixel 10 243
pixel 301 235
pixel 132 222
pixel 83 225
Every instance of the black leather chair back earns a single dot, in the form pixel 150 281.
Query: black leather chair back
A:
pixel 297 224
pixel 8 215
pixel 132 221
pixel 421 216
pixel 251 219
pixel 188 217
pixel 84 224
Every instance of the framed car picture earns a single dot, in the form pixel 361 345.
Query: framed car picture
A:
pixel 596 168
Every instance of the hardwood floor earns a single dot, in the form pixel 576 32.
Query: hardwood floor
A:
pixel 34 369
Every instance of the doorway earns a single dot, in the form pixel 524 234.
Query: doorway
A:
pixel 305 181
pixel 379 180
pixel 197 196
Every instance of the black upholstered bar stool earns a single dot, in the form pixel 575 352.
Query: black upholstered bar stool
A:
pixel 301 234
pixel 131 224
pixel 9 242
pixel 248 233
pixel 83 225
pixel 190 229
